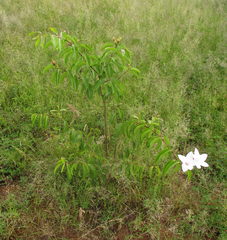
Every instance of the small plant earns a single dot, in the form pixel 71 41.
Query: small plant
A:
pixel 102 75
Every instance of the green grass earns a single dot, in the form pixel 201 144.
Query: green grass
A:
pixel 180 48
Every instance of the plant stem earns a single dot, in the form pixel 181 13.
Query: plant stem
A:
pixel 104 109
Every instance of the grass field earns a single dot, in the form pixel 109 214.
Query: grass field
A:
pixel 180 48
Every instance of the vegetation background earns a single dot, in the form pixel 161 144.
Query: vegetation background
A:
pixel 180 48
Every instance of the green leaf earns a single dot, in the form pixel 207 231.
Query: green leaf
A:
pixel 158 145
pixel 170 164
pixel 146 132
pixel 68 57
pixel 119 65
pixel 189 172
pixel 64 51
pixel 54 30
pixel 40 118
pixel 69 175
pixel 177 168
pixel 162 154
pixel 61 80
pixel 87 60
pixel 79 65
pixel 134 73
pixel 135 70
pixel 48 67
pixel 73 39
pixel 89 91
pixel 107 45
pixel 75 51
pixel 63 166
pixel 121 57
pixel 120 47
pixel 32 33
pixel 114 89
pixel 59 163
pixel 42 41
pixel 167 141
pixel 118 84
pixel 141 172
pixel 47 45
pixel 98 83
pixel 127 53
pixel 57 76
pixel 150 171
pixel 98 69
pixel 124 128
pixel 46 118
pixel 76 83
pixel 74 167
pixel 110 49
pixel 138 128
pixel 109 70
pixel 130 127
pixel 85 46
pixel 129 61
pixel 158 169
pixel 85 81
pixel 64 35
pixel 136 168
pixel 54 41
pixel 37 42
pixel 60 44
pixel 85 172
pixel 95 58
pixel 155 140
pixel 157 130
pixel 33 118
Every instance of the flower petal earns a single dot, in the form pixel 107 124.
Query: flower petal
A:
pixel 184 168
pixel 182 158
pixel 204 164
pixel 190 156
pixel 203 157
pixel 196 152
pixel 198 165
pixel 190 167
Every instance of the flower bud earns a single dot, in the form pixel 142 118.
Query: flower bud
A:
pixel 53 62
pixel 81 211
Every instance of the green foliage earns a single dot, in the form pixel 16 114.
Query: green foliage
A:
pixel 101 75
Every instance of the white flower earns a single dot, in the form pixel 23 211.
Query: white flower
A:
pixel 187 162
pixel 199 160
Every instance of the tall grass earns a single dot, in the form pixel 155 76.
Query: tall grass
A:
pixel 180 48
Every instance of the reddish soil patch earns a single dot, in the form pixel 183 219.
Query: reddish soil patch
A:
pixel 124 231
pixel 5 190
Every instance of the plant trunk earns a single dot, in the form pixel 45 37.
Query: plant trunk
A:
pixel 105 119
